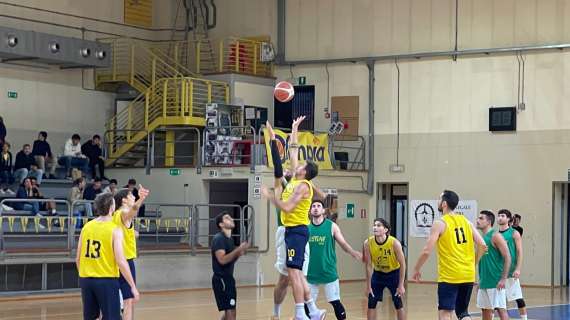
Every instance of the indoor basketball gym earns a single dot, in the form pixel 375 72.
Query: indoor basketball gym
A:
pixel 147 147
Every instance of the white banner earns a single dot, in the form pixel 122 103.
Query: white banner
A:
pixel 424 212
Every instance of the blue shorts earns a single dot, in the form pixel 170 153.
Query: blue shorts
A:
pixel 380 281
pixel 100 295
pixel 454 296
pixel 296 239
pixel 124 285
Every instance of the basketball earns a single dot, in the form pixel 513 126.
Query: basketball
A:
pixel 284 91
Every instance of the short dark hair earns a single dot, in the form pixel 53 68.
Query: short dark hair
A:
pixel 75 136
pixel 451 198
pixel 318 201
pixel 311 170
pixel 113 181
pixel 132 182
pixel 33 178
pixel 77 181
pixel 383 222
pixel 7 143
pixel 220 218
pixel 43 134
pixel 26 145
pixel 97 179
pixel 490 216
pixel 96 137
pixel 517 216
pixel 507 213
pixel 120 195
pixel 103 203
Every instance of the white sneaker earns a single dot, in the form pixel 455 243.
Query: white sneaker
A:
pixel 2 192
pixel 10 192
pixel 320 315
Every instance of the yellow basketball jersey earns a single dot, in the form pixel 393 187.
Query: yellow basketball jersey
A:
pixel 382 256
pixel 299 215
pixel 456 251
pixel 129 238
pixel 97 259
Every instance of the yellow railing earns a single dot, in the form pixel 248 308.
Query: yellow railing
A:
pixel 170 101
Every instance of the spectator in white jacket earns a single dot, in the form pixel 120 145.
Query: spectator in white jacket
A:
pixel 72 156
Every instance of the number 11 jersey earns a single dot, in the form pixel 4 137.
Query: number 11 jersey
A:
pixel 456 251
pixel 97 259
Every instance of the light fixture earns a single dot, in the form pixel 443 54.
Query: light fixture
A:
pixel 85 52
pixel 100 54
pixel 54 47
pixel 12 41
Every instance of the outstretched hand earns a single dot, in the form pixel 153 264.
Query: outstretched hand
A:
pixel 297 122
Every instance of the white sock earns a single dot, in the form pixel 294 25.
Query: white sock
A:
pixel 300 311
pixel 277 310
pixel 525 317
pixel 312 306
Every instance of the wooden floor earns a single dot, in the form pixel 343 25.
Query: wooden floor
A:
pixel 257 303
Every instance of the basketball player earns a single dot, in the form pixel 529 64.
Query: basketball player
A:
pixel 517 223
pixel 281 180
pixel 124 218
pixel 224 256
pixel 455 238
pixel 385 267
pixel 99 259
pixel 494 268
pixel 323 235
pixel 294 203
pixel 514 241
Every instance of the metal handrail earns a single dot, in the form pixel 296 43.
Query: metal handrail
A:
pixel 197 219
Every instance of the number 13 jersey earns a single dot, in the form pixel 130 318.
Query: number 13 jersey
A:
pixel 456 251
pixel 97 259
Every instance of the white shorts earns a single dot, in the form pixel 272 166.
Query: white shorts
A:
pixel 281 253
pixel 492 299
pixel 332 291
pixel 513 288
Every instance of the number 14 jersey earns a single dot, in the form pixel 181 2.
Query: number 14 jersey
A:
pixel 456 251
pixel 97 259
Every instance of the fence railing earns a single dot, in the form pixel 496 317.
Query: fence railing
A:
pixel 166 227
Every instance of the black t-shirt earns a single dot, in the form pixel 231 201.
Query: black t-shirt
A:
pixel 221 242
pixel 519 229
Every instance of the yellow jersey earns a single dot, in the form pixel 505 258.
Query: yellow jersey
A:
pixel 456 251
pixel 129 238
pixel 97 258
pixel 300 214
pixel 382 255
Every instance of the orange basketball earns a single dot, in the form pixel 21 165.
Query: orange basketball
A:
pixel 284 91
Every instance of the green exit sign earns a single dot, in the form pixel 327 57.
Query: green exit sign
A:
pixel 175 172
pixel 12 95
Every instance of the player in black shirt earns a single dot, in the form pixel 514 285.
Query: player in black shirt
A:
pixel 224 256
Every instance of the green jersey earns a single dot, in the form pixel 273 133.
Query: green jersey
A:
pixel 490 264
pixel 508 235
pixel 322 261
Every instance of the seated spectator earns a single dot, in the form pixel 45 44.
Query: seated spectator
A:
pixel 112 187
pixel 48 207
pixel 25 191
pixel 72 156
pixel 92 150
pixel 93 190
pixel 42 154
pixel 6 177
pixel 75 194
pixel 26 166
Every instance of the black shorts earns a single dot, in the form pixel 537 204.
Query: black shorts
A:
pixel 454 296
pixel 124 285
pixel 380 281
pixel 296 239
pixel 224 292
pixel 100 295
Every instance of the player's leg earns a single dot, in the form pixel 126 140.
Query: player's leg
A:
pixel 376 295
pixel 462 301
pixel 393 279
pixel 446 296
pixel 126 293
pixel 332 292
pixel 280 290
pixel 90 304
pixel 108 296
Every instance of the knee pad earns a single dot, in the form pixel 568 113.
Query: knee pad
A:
pixel 339 311
pixel 520 303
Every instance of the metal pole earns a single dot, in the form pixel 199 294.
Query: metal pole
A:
pixel 371 80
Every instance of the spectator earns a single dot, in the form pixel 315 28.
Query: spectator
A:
pixel 26 166
pixel 75 194
pixel 25 191
pixel 72 156
pixel 2 131
pixel 6 178
pixel 92 150
pixel 131 185
pixel 112 187
pixel 42 154
pixel 93 190
pixel 48 207
pixel 516 223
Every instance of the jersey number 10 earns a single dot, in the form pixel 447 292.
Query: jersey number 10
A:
pixel 457 231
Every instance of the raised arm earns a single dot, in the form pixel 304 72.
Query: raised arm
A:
pixel 128 215
pixel 293 144
pixel 337 234
pixel 501 245
pixel 436 230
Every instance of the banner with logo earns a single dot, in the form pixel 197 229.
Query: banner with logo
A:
pixel 314 147
pixel 424 212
